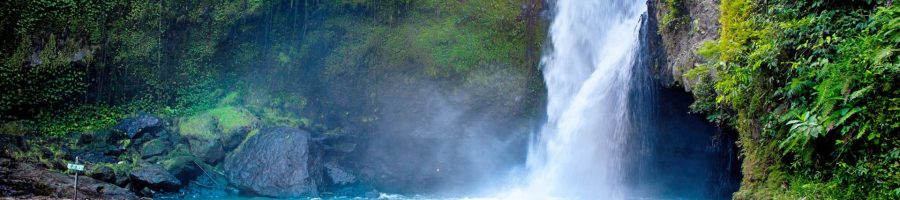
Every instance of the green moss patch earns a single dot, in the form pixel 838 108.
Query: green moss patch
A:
pixel 212 123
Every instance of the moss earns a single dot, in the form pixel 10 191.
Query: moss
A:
pixel 222 120
pixel 464 41
pixel 178 157
pixel 117 168
pixel 230 99
pixel 198 126
pixel 280 109
pixel 231 118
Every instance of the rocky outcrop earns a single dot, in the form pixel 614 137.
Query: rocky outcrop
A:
pixel 338 175
pixel 693 22
pixel 277 162
pixel 28 182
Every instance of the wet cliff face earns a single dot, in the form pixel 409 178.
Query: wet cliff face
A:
pixel 679 154
pixel 683 26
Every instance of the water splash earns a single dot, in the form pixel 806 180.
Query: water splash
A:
pixel 579 151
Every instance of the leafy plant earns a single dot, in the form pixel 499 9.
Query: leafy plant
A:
pixel 818 80
pixel 803 129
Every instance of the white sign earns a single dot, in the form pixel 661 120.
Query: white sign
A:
pixel 76 167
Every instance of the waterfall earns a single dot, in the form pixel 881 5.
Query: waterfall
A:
pixel 579 152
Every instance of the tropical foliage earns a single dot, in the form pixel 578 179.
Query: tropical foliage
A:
pixel 812 88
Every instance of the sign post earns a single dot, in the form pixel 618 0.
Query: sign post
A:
pixel 77 168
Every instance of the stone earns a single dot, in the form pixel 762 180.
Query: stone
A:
pixel 214 132
pixel 134 127
pixel 183 167
pixel 277 162
pixel 102 172
pixel 339 175
pixel 154 147
pixel 24 181
pixel 154 177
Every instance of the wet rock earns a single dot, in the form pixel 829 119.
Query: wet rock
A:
pixel 183 167
pixel 154 147
pixel 214 132
pixel 208 150
pixel 207 187
pixel 154 177
pixel 103 173
pixel 338 175
pixel 29 182
pixel 134 127
pixel 110 173
pixel 92 156
pixel 277 162
pixel 95 147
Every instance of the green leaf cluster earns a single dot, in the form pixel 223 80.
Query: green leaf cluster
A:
pixel 815 81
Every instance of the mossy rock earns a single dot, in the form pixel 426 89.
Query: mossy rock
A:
pixel 222 120
pixel 154 147
pixel 115 173
pixel 213 132
pixel 180 162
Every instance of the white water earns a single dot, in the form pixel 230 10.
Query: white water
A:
pixel 578 153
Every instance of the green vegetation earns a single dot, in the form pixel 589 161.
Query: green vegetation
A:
pixel 222 120
pixel 76 66
pixel 213 70
pixel 811 88
pixel 179 157
pixel 673 15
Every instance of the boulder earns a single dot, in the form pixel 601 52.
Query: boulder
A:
pixel 154 147
pixel 102 172
pixel 181 163
pixel 133 127
pixel 154 177
pixel 213 132
pixel 277 162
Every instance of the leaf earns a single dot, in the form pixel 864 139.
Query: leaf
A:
pixel 884 53
pixel 847 115
pixel 859 93
pixel 872 135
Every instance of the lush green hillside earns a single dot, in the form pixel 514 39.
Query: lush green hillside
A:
pixel 212 70
pixel 73 66
pixel 811 87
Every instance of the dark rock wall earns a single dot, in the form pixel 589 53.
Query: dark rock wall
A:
pixel 696 21
pixel 677 154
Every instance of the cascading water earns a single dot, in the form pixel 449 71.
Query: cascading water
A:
pixel 579 152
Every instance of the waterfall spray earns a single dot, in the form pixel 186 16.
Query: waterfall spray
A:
pixel 579 151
